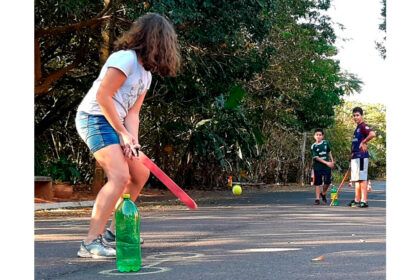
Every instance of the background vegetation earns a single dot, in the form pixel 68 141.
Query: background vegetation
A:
pixel 258 77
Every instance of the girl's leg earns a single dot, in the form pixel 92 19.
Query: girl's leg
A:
pixel 116 169
pixel 139 174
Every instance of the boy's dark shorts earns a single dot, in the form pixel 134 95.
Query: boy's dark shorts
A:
pixel 322 176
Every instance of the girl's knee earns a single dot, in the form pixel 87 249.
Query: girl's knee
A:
pixel 140 178
pixel 120 178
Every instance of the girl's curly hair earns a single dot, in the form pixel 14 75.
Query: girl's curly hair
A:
pixel 154 40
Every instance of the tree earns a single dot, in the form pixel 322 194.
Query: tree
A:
pixel 216 58
pixel 380 46
pixel 253 73
pixel 304 82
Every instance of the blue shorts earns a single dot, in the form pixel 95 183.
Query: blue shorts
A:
pixel 96 131
pixel 322 176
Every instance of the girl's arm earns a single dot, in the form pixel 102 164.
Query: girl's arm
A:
pixel 131 123
pixel 112 81
pixel 132 119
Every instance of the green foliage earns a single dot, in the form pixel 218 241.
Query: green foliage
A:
pixel 255 75
pixel 61 170
pixel 380 46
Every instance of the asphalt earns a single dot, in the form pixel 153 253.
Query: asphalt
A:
pixel 258 235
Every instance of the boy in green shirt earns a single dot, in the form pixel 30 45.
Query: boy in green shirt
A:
pixel 323 162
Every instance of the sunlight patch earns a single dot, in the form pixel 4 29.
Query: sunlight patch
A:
pixel 264 250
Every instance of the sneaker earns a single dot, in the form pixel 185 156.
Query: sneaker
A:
pixel 316 202
pixel 355 204
pixel 324 198
pixel 97 250
pixel 351 203
pixel 109 238
pixel 363 205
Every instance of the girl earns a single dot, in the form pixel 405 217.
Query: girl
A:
pixel 108 119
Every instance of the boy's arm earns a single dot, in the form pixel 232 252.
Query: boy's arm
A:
pixel 330 152
pixel 371 135
pixel 331 157
pixel 363 145
pixel 327 163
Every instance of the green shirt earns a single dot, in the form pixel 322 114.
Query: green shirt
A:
pixel 321 150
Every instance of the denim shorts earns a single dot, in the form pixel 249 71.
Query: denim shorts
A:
pixel 96 131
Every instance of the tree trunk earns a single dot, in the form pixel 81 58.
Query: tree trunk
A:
pixel 38 73
pixel 104 52
pixel 302 177
pixel 98 178
pixel 107 33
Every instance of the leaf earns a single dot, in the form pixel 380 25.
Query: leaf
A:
pixel 239 150
pixel 320 258
pixel 236 95
pixel 200 123
pixel 257 135
pixel 286 34
pixel 220 102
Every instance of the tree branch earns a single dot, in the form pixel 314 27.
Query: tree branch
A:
pixel 43 87
pixel 99 18
pixel 69 28
pixel 55 114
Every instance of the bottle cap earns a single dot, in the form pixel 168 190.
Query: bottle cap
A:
pixel 126 195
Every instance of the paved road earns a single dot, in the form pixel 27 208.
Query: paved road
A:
pixel 259 235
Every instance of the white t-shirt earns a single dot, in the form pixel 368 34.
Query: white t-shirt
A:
pixel 138 80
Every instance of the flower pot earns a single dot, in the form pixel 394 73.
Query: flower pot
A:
pixel 63 190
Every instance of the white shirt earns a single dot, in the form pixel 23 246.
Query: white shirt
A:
pixel 138 80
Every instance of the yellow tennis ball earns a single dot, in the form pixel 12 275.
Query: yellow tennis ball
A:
pixel 237 190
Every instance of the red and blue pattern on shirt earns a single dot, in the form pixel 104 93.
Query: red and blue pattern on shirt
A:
pixel 361 132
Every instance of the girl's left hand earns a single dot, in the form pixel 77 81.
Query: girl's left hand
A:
pixel 134 151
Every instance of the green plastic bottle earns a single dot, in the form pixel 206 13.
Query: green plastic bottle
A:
pixel 127 224
pixel 334 196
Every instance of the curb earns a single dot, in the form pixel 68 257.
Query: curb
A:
pixel 58 205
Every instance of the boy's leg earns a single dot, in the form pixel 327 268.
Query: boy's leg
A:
pixel 358 192
pixel 363 178
pixel 363 191
pixel 317 192
pixel 324 193
pixel 327 181
pixel 318 183
pixel 355 177
pixel 325 189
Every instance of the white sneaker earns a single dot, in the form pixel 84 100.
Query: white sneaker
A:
pixel 97 249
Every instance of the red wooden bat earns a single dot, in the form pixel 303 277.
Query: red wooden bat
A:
pixel 168 182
